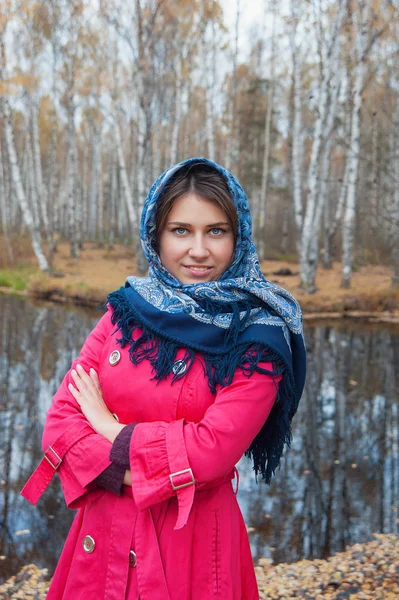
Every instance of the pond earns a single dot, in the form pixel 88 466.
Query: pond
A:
pixel 337 485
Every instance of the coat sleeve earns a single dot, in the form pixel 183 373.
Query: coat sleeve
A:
pixel 89 456
pixel 211 447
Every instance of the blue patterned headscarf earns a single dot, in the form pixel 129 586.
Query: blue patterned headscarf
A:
pixel 235 322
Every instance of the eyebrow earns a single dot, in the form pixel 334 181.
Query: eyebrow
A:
pixel 179 224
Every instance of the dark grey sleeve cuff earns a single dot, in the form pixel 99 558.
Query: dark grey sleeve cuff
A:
pixel 111 479
pixel 120 448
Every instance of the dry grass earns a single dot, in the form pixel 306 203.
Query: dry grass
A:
pixel 99 271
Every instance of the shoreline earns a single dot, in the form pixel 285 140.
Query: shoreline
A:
pixel 87 281
pixel 367 571
pixel 97 298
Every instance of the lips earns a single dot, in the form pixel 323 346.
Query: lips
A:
pixel 197 270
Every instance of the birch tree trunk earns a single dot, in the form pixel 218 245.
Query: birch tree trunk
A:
pixel 95 179
pixel 34 230
pixel 231 141
pixel 100 214
pixel 374 180
pixel 113 188
pixel 395 204
pixel 348 230
pixel 209 125
pixel 297 140
pixel 4 207
pixel 325 162
pixel 143 129
pixel 177 116
pixel 71 180
pixel 124 179
pixel 307 266
pixel 267 144
pixel 30 187
pixel 37 164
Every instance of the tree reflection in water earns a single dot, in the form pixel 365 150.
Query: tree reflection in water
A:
pixel 337 484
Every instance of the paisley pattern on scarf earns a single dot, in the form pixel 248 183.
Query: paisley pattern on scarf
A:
pixel 239 282
pixel 240 321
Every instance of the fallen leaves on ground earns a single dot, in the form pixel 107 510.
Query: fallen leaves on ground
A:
pixel 363 572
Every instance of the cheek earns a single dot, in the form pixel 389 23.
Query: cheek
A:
pixel 169 249
pixel 227 252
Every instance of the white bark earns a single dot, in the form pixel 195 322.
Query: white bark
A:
pixel 100 213
pixel 37 164
pixel 395 204
pixel 124 179
pixel 30 187
pixel 322 204
pixel 71 180
pixel 348 232
pixel 231 141
pixel 4 207
pixel 177 116
pixel 307 266
pixel 267 143
pixel 297 139
pixel 95 179
pixel 19 190
pixel 207 72
pixel 113 189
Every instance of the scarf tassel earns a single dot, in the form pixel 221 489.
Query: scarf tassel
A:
pixel 267 447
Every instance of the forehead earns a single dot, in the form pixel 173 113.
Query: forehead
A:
pixel 193 208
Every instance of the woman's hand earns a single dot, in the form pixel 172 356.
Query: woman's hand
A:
pixel 88 395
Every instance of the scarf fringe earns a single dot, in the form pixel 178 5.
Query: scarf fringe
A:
pixel 267 447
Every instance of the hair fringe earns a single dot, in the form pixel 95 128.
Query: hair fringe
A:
pixel 267 447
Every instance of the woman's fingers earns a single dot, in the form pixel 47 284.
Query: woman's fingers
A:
pixel 75 393
pixel 96 381
pixel 84 376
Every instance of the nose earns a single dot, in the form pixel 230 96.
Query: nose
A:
pixel 198 249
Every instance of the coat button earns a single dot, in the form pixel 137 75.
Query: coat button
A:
pixel 179 367
pixel 88 544
pixel 132 559
pixel 114 357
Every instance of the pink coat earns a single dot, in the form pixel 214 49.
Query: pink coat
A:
pixel 158 541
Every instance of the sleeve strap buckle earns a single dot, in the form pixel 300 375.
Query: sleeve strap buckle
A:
pixel 50 458
pixel 182 485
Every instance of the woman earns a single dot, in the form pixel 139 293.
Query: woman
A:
pixel 187 370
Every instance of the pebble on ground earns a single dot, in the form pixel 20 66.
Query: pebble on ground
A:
pixel 363 572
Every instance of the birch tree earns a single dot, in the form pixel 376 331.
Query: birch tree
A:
pixel 365 35
pixel 297 137
pixel 308 264
pixel 231 141
pixel 395 203
pixel 34 229
pixel 267 140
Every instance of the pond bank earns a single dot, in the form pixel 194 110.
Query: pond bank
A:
pixel 364 571
pixel 87 281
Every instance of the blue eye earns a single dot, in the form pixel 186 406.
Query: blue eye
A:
pixel 216 230
pixel 179 230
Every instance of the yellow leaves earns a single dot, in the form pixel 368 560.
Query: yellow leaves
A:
pixel 363 571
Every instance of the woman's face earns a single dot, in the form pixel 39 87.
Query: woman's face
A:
pixel 197 242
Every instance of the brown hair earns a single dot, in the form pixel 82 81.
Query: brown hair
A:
pixel 202 180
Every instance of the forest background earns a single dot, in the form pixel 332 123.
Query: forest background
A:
pixel 98 97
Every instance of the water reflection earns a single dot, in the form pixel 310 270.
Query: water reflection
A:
pixel 337 485
pixel 36 348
